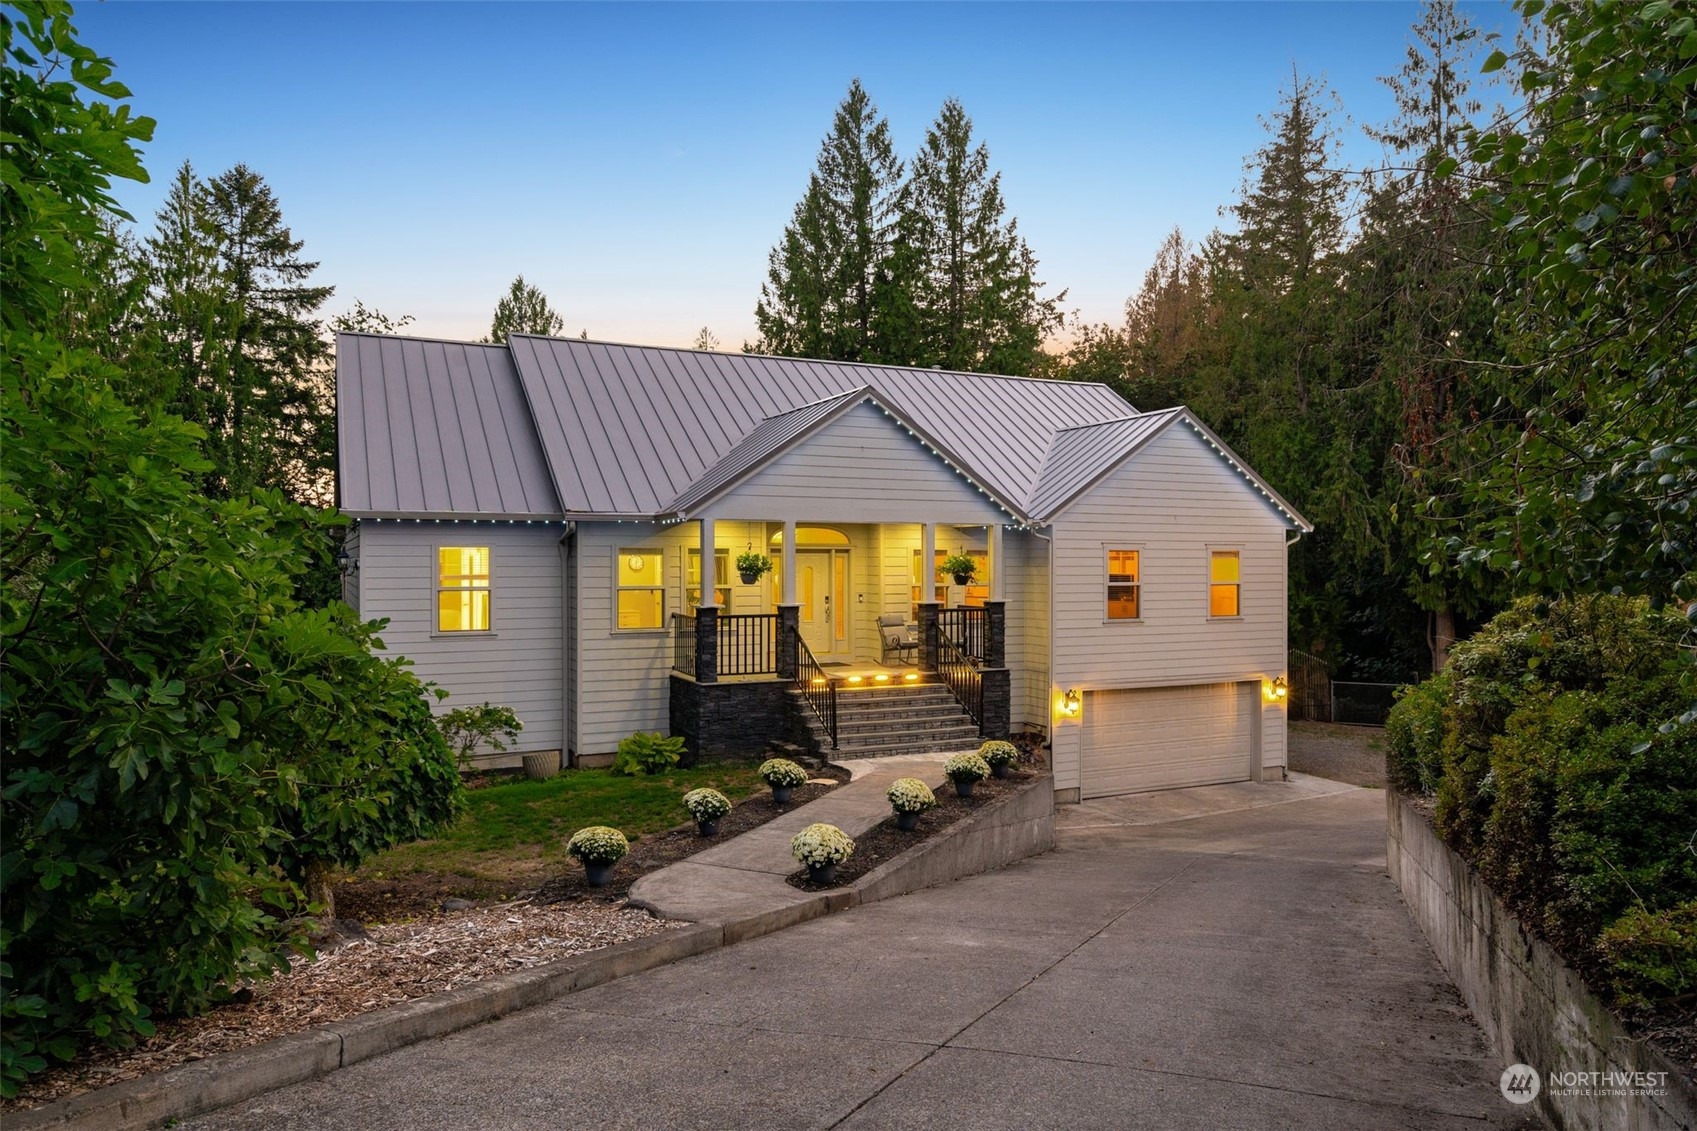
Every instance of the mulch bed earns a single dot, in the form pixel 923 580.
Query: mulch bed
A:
pixel 884 842
pixel 657 850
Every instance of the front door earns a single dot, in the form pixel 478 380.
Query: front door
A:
pixel 821 588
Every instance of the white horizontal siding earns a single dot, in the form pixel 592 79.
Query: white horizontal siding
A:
pixel 863 467
pixel 1028 629
pixel 1173 501
pixel 519 664
pixel 350 579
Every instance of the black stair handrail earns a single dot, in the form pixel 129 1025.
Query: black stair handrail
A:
pixel 819 689
pixel 961 676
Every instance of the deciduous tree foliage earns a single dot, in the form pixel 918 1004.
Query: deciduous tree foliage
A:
pixel 182 742
pixel 1595 190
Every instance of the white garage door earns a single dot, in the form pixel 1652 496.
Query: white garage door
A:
pixel 1167 737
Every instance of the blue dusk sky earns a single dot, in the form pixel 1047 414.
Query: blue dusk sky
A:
pixel 638 161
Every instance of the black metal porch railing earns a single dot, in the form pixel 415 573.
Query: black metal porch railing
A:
pixel 966 628
pixel 958 671
pixel 683 644
pixel 748 644
pixel 819 689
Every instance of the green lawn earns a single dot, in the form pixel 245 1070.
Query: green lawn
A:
pixel 515 826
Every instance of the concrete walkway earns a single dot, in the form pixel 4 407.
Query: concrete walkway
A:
pixel 1251 967
pixel 746 876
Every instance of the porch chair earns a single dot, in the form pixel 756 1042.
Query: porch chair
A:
pixel 893 632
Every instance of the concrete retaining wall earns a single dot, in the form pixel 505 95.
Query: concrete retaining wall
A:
pixel 1014 826
pixel 1536 1010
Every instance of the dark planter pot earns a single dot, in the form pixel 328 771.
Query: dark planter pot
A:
pixel 749 578
pixel 707 828
pixel 600 875
pixel 907 822
pixel 963 578
pixel 1002 771
pixel 823 874
pixel 781 794
pixel 964 788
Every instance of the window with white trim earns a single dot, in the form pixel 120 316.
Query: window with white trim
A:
pixel 1125 584
pixel 462 589
pixel 640 597
pixel 1225 580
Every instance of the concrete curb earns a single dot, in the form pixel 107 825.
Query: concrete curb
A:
pixel 1011 828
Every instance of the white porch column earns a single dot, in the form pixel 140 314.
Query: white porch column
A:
pixel 928 562
pixel 998 591
pixel 788 574
pixel 709 578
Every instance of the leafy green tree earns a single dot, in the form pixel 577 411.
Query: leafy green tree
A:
pixel 820 294
pixel 1166 325
pixel 168 714
pixel 363 319
pixel 524 309
pixel 970 275
pixel 1593 485
pixel 706 340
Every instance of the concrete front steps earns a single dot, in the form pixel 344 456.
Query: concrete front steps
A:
pixel 879 722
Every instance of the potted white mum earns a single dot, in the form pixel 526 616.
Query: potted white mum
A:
pixel 783 776
pixel 599 848
pixel 1000 755
pixel 966 771
pixel 909 797
pixel 706 806
pixel 821 848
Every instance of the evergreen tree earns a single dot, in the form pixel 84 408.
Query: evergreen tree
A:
pixel 1166 326
pixel 972 276
pixel 821 291
pixel 523 309
pixel 231 324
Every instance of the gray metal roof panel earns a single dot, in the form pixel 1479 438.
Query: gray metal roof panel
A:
pixel 1082 454
pixel 627 428
pixel 433 427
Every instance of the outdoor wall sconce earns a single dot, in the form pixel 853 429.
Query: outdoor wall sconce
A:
pixel 346 563
pixel 1278 689
pixel 1070 702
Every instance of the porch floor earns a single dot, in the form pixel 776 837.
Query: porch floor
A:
pixel 870 673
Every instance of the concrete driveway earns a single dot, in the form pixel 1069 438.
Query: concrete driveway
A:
pixel 1209 959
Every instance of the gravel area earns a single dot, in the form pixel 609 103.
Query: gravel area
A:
pixel 1340 753
pixel 386 965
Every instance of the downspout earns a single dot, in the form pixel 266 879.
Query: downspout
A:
pixel 568 625
pixel 1049 695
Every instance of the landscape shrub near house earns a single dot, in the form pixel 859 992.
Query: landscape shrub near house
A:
pixel 1561 752
pixel 467 728
pixel 647 752
pixel 183 740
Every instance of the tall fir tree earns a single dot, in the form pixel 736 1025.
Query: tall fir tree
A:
pixel 524 309
pixel 233 330
pixel 971 276
pixel 821 290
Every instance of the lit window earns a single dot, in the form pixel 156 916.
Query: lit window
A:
pixel 1223 583
pixel 1123 584
pixel 462 589
pixel 721 578
pixel 641 591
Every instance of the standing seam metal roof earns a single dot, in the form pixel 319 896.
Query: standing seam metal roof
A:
pixel 627 429
pixel 558 427
pixel 432 427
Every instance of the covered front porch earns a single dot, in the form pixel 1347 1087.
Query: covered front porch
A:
pixel 846 608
